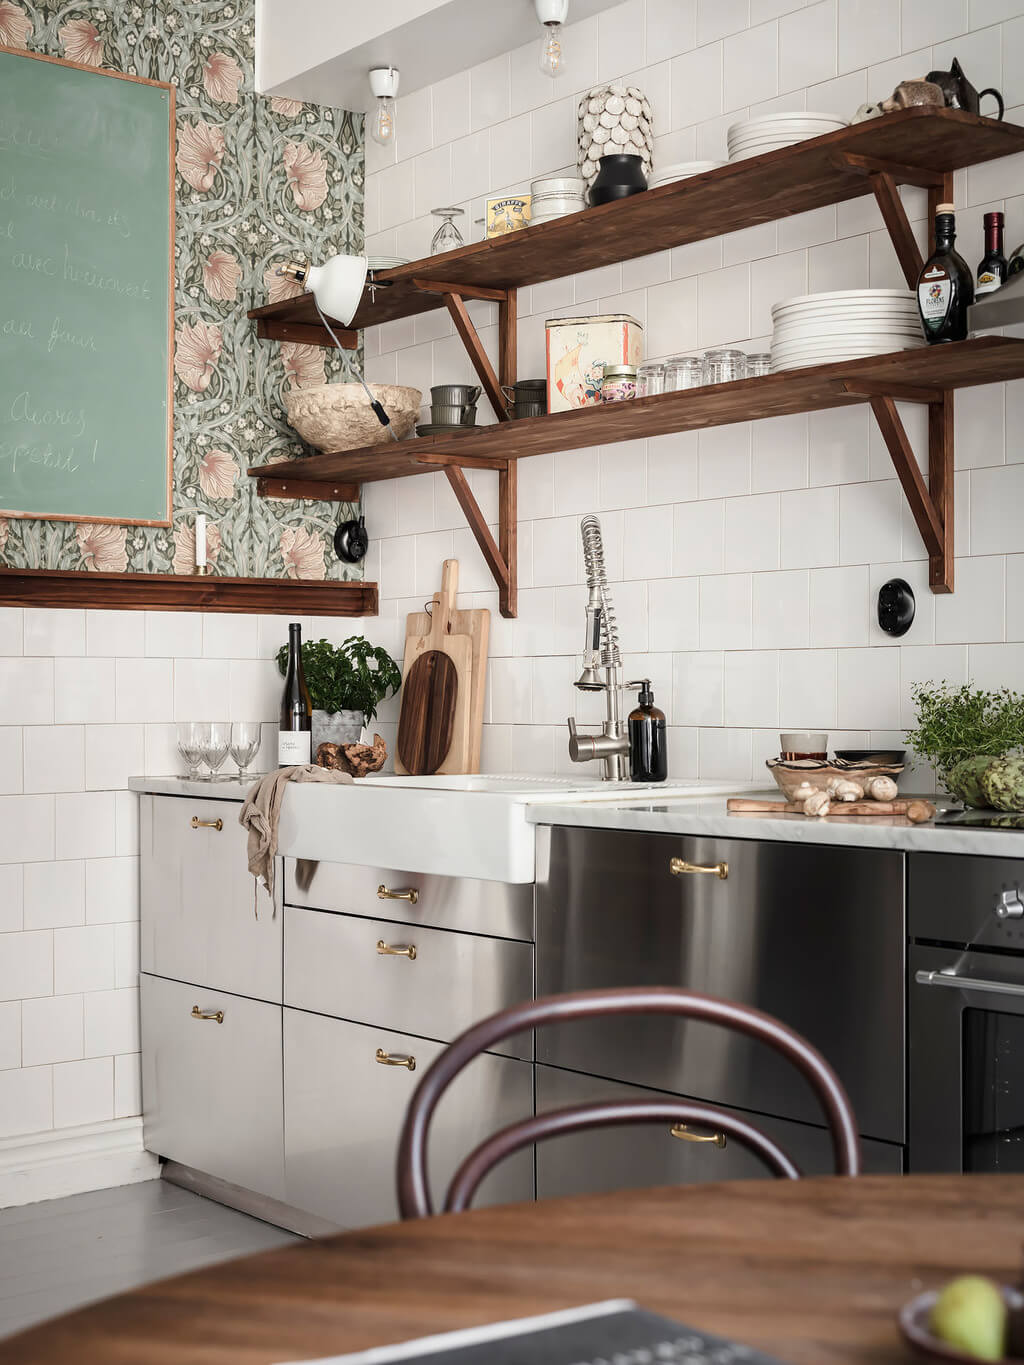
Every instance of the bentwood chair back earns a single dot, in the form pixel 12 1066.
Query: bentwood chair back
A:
pixel 414 1199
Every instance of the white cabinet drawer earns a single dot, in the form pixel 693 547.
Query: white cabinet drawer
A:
pixel 202 918
pixel 212 1091
pixel 344 1111
pixel 424 981
pixel 500 909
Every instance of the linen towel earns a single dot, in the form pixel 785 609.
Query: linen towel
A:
pixel 261 812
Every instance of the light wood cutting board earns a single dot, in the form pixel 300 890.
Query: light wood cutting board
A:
pixel 462 636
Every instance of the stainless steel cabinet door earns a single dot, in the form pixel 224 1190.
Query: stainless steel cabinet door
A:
pixel 211 1090
pixel 429 982
pixel 812 934
pixel 627 1158
pixel 202 919
pixel 344 1111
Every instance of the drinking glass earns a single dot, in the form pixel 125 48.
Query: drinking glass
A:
pixel 201 730
pixel 245 741
pixel 190 746
pixel 215 750
pixel 447 237
pixel 683 372
pixel 650 378
pixel 759 362
pixel 722 366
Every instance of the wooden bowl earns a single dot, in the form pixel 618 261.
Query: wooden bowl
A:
pixel 335 417
pixel 790 776
pixel 915 1325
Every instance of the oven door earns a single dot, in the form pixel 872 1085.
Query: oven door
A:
pixel 966 1061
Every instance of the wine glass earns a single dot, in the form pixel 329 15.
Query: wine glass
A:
pixel 190 746
pixel 215 750
pixel 245 741
pixel 447 237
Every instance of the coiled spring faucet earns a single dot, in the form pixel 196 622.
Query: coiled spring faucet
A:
pixel 602 665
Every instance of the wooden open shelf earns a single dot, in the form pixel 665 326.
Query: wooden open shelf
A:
pixel 920 147
pixel 185 592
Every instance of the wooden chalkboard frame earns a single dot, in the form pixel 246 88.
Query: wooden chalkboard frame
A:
pixel 171 131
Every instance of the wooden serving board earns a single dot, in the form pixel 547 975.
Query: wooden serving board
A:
pixel 917 811
pixel 435 701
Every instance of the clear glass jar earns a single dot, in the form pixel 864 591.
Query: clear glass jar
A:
pixel 650 378
pixel 683 372
pixel 618 383
pixel 720 367
pixel 760 362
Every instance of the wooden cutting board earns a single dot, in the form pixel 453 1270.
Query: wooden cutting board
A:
pixel 442 709
pixel 916 811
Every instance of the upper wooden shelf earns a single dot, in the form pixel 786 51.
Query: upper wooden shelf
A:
pixel 920 375
pixel 914 146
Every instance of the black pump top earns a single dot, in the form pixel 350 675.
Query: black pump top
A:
pixel 646 691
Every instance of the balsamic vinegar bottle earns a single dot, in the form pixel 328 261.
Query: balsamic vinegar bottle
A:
pixel 648 741
pixel 992 269
pixel 945 288
pixel 294 736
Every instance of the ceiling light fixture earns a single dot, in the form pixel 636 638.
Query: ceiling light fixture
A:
pixel 381 120
pixel 552 14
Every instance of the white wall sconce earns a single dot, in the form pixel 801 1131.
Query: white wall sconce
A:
pixel 552 15
pixel 381 120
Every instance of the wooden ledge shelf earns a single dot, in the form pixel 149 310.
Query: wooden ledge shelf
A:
pixel 914 146
pixel 185 592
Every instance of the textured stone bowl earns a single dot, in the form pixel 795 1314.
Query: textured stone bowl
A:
pixel 336 417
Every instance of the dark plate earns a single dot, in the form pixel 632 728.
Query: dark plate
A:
pixel 914 1318
pixel 886 758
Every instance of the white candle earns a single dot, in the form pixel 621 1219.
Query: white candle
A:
pixel 201 541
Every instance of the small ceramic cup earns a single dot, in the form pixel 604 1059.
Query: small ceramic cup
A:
pixel 803 745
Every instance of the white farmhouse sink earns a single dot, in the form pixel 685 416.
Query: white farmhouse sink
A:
pixel 459 826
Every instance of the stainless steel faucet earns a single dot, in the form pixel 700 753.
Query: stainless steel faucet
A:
pixel 602 666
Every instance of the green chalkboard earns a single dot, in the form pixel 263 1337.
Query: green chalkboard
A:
pixel 86 235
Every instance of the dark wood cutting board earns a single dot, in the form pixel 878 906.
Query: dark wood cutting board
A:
pixel 427 722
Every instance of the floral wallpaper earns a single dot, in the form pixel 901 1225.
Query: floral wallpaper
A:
pixel 258 181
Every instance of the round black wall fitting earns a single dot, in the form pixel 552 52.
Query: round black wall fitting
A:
pixel 896 606
pixel 351 541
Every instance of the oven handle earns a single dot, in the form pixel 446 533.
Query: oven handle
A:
pixel 948 977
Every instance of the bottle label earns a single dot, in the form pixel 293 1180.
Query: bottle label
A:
pixel 293 746
pixel 934 294
pixel 988 280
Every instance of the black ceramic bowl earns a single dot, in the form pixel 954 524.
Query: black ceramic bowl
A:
pixel 885 758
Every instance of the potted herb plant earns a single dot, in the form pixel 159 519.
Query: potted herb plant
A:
pixel 963 731
pixel 347 683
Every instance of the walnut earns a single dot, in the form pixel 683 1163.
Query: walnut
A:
pixel 356 759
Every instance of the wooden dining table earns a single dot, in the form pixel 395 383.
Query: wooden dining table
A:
pixel 813 1271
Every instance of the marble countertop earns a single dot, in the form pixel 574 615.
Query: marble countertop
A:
pixel 695 816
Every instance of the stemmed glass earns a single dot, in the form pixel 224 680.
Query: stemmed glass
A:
pixel 245 741
pixel 215 749
pixel 190 746
pixel 447 237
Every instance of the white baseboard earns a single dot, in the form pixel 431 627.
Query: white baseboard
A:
pixel 62 1161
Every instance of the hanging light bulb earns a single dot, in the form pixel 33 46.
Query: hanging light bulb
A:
pixel 381 119
pixel 552 14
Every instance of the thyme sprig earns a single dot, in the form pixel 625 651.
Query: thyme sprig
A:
pixel 954 723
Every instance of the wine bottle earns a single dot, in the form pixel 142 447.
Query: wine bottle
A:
pixel 992 269
pixel 945 287
pixel 294 737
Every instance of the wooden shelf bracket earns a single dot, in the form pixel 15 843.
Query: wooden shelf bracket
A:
pixel 502 558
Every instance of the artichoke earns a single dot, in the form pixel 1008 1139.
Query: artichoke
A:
pixel 965 780
pixel 1002 783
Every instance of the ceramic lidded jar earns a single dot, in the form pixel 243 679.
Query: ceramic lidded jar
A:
pixel 620 175
pixel 614 119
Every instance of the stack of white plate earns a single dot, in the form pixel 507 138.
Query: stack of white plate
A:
pixel 385 262
pixel 681 170
pixel 820 329
pixel 769 132
pixel 556 196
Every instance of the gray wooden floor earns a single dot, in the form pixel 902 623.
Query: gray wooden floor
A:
pixel 62 1253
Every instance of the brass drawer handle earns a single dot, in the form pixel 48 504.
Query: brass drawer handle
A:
pixel 217 1016
pixel 397 949
pixel 680 1130
pixel 679 867
pixel 383 894
pixel 207 824
pixel 386 1059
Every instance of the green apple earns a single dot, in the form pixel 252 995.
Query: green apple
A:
pixel 970 1314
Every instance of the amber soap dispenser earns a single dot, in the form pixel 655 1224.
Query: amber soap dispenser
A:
pixel 648 741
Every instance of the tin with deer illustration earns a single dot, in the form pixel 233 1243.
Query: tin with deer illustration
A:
pixel 578 349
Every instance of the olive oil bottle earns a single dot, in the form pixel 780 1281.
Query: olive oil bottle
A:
pixel 945 287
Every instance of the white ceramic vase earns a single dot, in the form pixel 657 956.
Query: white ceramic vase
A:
pixel 613 118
